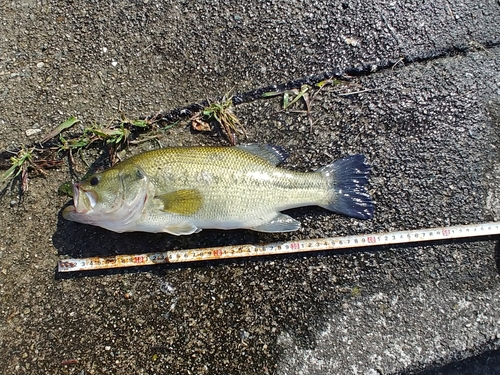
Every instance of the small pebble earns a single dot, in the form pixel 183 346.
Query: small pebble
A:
pixel 40 65
pixel 30 132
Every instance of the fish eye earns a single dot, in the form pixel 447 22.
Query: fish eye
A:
pixel 139 174
pixel 94 181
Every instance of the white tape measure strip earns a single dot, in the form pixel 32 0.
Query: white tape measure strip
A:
pixel 319 244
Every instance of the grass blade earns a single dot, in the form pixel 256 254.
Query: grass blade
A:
pixel 61 127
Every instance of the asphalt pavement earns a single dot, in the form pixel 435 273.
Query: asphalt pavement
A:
pixel 417 91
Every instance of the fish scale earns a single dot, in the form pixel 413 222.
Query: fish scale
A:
pixel 187 189
pixel 232 191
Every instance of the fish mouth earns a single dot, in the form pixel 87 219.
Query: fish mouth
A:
pixel 83 201
pixel 120 216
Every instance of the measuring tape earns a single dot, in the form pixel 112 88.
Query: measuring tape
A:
pixel 319 244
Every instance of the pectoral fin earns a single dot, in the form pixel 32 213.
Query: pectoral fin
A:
pixel 183 202
pixel 181 229
pixel 281 223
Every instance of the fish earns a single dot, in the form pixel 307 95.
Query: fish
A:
pixel 182 190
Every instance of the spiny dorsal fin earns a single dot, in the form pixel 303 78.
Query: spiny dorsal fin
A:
pixel 273 154
pixel 183 202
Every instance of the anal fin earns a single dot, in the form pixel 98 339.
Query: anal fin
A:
pixel 181 229
pixel 280 223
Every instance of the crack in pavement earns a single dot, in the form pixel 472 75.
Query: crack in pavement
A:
pixel 360 70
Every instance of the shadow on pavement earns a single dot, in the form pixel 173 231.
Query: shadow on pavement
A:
pixel 487 363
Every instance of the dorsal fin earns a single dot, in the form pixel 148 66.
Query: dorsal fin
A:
pixel 273 154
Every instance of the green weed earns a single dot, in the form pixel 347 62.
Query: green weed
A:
pixel 222 113
pixel 307 94
pixel 20 164
pixel 113 136
pixel 60 128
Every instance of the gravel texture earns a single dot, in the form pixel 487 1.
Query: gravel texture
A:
pixel 430 129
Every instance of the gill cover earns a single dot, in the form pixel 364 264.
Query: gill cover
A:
pixel 113 199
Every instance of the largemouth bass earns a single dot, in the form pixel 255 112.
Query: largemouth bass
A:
pixel 183 190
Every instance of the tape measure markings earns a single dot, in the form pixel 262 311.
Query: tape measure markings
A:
pixel 320 244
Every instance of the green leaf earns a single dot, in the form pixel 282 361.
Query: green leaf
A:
pixel 8 174
pixel 61 127
pixel 327 82
pixel 66 188
pixel 18 163
pixel 303 90
pixel 170 126
pixel 270 94
pixel 286 100
pixel 140 123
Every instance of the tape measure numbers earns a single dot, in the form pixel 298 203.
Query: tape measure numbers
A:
pixel 319 244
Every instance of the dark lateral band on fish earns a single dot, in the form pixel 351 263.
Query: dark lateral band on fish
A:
pixel 183 190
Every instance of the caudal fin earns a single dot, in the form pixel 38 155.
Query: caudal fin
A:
pixel 348 195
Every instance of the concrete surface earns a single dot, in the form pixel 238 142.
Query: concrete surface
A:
pixel 429 125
